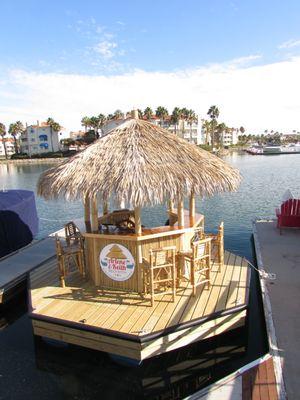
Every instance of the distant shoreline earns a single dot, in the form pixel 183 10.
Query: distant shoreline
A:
pixel 33 161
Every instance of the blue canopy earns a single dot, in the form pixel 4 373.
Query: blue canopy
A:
pixel 18 220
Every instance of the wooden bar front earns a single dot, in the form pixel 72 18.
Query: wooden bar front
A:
pixel 153 238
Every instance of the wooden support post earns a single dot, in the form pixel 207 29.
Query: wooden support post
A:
pixel 180 212
pixel 138 231
pixel 105 207
pixel 170 211
pixel 87 214
pixel 192 209
pixel 94 215
pixel 137 219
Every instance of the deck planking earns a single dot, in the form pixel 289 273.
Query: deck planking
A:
pixel 130 313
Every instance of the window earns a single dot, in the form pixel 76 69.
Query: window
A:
pixel 33 139
pixel 43 138
pixel 44 146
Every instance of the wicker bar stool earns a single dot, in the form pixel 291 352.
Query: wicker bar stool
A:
pixel 67 256
pixel 160 272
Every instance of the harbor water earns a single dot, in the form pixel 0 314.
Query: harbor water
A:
pixel 33 369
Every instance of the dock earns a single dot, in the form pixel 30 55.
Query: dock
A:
pixel 255 381
pixel 15 267
pixel 280 254
pixel 125 323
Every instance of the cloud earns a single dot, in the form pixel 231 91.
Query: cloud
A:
pixel 289 44
pixel 105 49
pixel 258 97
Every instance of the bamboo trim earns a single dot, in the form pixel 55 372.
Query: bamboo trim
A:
pixel 180 211
pixel 94 215
pixel 137 219
pixel 105 208
pixel 87 213
pixel 192 209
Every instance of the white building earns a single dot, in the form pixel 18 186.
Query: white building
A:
pixel 184 129
pixel 77 135
pixel 10 147
pixel 230 137
pixel 39 139
pixel 190 132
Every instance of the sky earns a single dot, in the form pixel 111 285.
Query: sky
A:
pixel 70 58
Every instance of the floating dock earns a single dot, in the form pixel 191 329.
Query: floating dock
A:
pixel 125 324
pixel 280 254
pixel 15 267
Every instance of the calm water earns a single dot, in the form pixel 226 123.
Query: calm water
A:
pixel 33 369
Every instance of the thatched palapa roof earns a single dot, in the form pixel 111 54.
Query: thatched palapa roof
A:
pixel 142 164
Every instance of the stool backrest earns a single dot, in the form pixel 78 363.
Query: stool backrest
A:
pixel 72 233
pixel 201 248
pixel 162 256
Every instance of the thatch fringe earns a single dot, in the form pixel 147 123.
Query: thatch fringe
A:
pixel 142 164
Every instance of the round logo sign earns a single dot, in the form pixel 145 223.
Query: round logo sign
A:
pixel 117 262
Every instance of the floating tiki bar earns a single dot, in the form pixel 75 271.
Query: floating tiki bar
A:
pixel 140 298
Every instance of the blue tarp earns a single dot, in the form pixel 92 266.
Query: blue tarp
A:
pixel 18 220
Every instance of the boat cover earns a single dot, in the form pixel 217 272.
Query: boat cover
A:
pixel 18 220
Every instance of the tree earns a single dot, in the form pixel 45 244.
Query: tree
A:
pixel 95 123
pixel 2 134
pixel 54 127
pixel 102 120
pixel 207 129
pixel 140 113
pixel 118 114
pixel 86 122
pixel 191 117
pixel 162 113
pixel 242 129
pixel 175 117
pixel 219 133
pixel 148 113
pixel 14 130
pixel 213 113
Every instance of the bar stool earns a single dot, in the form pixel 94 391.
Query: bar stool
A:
pixel 72 233
pixel 66 255
pixel 160 272
pixel 218 243
pixel 199 259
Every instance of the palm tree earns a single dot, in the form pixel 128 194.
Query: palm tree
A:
pixel 2 134
pixel 175 117
pixel 14 130
pixel 102 120
pixel 207 128
pixel 148 113
pixel 54 127
pixel 140 113
pixel 162 113
pixel 191 117
pixel 95 124
pixel 221 128
pixel 213 113
pixel 86 123
pixel 118 114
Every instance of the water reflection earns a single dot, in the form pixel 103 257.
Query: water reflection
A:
pixel 83 373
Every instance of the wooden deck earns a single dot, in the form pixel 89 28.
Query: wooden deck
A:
pixel 125 323
pixel 259 382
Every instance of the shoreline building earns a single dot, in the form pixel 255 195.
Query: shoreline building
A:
pixel 230 137
pixel 39 139
pixel 190 131
pixel 10 147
